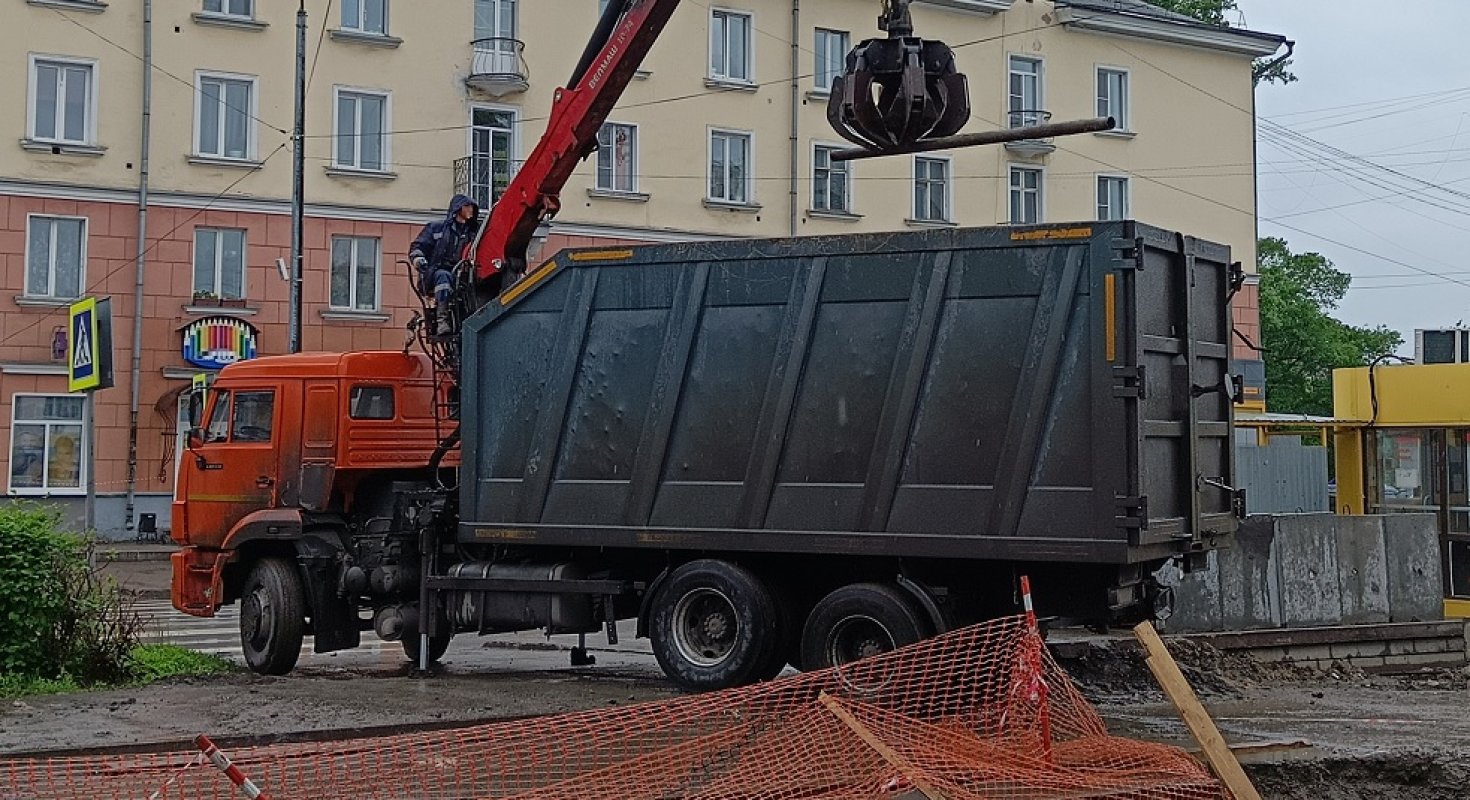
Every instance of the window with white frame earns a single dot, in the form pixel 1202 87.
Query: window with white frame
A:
pixel 62 103
pixel 56 257
pixel 617 157
pixel 233 8
pixel 1112 197
pixel 219 263
pixel 931 189
pixel 46 445
pixel 224 107
pixel 362 130
pixel 1112 96
pixel 730 45
pixel 729 167
pixel 355 265
pixel 831 52
pixel 1025 195
pixel 831 181
pixel 1025 92
pixel 365 16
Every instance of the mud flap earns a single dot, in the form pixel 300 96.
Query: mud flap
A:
pixel 334 623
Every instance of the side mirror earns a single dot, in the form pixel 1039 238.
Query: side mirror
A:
pixel 195 437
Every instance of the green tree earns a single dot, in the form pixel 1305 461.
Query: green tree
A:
pixel 1214 12
pixel 1303 342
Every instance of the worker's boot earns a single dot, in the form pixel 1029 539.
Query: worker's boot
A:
pixel 443 327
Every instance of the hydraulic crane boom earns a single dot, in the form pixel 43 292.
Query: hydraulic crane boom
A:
pixel 624 35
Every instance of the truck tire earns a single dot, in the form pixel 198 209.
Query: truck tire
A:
pixel 272 616
pixel 438 643
pixel 714 626
pixel 857 621
pixel 437 646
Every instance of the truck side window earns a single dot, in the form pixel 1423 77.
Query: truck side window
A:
pixel 254 412
pixel 371 402
pixel 219 419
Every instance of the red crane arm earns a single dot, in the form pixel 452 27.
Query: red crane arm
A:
pixel 577 112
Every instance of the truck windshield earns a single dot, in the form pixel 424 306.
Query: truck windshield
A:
pixel 219 419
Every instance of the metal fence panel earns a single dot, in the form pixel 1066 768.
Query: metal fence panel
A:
pixel 1283 478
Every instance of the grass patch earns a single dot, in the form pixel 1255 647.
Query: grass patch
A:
pixel 12 686
pixel 147 663
pixel 153 662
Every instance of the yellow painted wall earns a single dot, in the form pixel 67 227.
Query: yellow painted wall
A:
pixel 1191 112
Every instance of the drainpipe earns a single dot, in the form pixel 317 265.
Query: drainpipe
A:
pixel 141 261
pixel 795 193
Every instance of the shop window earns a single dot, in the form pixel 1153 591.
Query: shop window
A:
pixel 46 444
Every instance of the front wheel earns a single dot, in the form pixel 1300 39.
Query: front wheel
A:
pixel 272 617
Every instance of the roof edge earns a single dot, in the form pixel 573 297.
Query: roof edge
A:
pixel 1102 18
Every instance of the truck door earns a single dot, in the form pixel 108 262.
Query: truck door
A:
pixel 236 467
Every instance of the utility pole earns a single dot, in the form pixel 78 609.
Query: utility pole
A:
pixel 298 174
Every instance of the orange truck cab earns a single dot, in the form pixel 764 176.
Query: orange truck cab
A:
pixel 293 458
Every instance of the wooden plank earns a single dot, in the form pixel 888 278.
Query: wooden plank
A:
pixel 1217 753
pixel 893 758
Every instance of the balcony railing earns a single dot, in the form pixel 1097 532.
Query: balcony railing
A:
pixel 1030 118
pixel 483 178
pixel 499 66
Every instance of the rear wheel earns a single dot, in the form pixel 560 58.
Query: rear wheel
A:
pixel 272 617
pixel 438 643
pixel 714 625
pixel 858 621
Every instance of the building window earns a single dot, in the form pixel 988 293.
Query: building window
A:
pixel 233 8
pixel 831 181
pixel 362 130
pixel 219 263
pixel 617 157
pixel 931 189
pixel 62 101
pixel 365 16
pixel 56 256
pixel 355 273
pixel 831 53
pixel 46 452
pixel 1112 96
pixel 225 110
pixel 1025 92
pixel 1112 197
pixel 1025 195
pixel 730 46
pixel 491 162
pixel 729 167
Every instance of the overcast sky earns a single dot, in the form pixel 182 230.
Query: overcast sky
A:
pixel 1388 83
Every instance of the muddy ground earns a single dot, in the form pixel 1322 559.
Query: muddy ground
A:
pixel 1318 734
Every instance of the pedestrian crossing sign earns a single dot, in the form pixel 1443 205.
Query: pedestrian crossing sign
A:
pixel 89 345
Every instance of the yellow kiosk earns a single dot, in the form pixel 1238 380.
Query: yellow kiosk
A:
pixel 1407 450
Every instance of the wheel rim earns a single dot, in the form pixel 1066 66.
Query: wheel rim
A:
pixel 706 627
pixel 256 625
pixel 857 637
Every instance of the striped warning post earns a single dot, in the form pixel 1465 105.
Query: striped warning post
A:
pixel 223 763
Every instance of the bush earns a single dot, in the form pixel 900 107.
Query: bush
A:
pixel 58 619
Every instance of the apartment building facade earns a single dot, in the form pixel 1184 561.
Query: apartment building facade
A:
pixel 722 134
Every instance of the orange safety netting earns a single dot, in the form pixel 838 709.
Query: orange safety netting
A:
pixel 983 712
